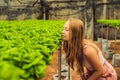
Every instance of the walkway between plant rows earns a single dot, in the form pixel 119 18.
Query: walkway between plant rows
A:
pixel 52 69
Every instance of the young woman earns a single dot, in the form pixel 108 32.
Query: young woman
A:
pixel 84 55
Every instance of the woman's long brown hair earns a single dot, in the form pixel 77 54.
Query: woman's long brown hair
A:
pixel 74 48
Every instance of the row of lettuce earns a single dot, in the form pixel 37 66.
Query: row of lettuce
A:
pixel 26 47
pixel 112 23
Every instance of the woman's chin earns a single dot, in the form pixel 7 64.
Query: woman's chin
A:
pixel 64 39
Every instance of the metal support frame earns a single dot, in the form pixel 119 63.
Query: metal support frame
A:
pixel 59 64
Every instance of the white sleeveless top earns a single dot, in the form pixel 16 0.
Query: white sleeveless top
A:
pixel 102 59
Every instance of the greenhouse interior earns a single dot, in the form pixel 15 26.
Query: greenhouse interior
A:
pixel 32 45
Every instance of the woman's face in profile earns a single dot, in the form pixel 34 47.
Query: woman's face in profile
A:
pixel 66 31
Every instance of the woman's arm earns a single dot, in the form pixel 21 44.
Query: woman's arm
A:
pixel 91 54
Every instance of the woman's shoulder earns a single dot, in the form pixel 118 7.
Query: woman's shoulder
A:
pixel 89 47
pixel 88 43
pixel 92 43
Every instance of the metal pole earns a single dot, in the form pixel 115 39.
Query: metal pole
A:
pixel 59 62
pixel 107 36
pixel 94 18
pixel 115 38
pixel 69 77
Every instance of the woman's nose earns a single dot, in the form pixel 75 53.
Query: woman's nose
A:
pixel 62 31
